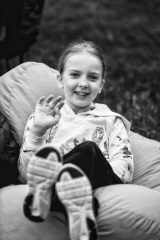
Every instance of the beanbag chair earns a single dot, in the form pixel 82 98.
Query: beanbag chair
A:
pixel 20 88
pixel 127 211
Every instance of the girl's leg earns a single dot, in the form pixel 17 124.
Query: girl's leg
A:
pixel 90 159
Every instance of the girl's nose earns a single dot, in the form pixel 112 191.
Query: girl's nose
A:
pixel 83 82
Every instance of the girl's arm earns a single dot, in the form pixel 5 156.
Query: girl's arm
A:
pixel 120 154
pixel 30 145
pixel 46 115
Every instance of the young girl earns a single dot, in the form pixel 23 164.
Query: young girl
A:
pixel 73 147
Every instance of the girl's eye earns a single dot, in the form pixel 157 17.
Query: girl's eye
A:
pixel 93 77
pixel 74 75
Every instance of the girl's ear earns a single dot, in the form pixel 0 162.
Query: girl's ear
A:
pixel 102 84
pixel 59 80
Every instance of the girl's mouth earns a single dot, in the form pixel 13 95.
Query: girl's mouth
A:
pixel 83 94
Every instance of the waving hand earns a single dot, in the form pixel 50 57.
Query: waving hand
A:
pixel 47 114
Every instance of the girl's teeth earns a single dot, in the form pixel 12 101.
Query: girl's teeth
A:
pixel 81 94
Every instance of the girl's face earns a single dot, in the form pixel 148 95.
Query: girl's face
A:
pixel 81 80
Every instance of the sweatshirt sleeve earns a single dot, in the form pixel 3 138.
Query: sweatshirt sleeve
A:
pixel 30 145
pixel 120 154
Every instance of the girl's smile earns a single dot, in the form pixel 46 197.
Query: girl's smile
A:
pixel 82 80
pixel 80 93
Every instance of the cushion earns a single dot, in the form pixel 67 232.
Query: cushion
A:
pixel 15 226
pixel 19 90
pixel 126 212
pixel 146 153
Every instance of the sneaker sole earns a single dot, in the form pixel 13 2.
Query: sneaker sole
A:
pixel 78 202
pixel 43 153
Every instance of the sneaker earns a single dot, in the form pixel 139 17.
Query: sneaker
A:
pixel 42 172
pixel 75 192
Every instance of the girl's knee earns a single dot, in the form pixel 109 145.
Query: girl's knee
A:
pixel 88 146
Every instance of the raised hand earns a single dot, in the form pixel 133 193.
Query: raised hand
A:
pixel 47 114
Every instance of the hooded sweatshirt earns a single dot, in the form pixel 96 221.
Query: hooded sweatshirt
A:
pixel 107 129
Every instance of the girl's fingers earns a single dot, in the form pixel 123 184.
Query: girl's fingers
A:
pixel 54 102
pixel 41 100
pixel 56 111
pixel 49 98
pixel 59 105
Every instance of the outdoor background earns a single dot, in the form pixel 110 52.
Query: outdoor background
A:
pixel 129 34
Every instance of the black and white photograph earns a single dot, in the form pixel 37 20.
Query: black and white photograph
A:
pixel 79 120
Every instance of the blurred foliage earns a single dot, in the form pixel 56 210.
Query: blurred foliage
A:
pixel 129 33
